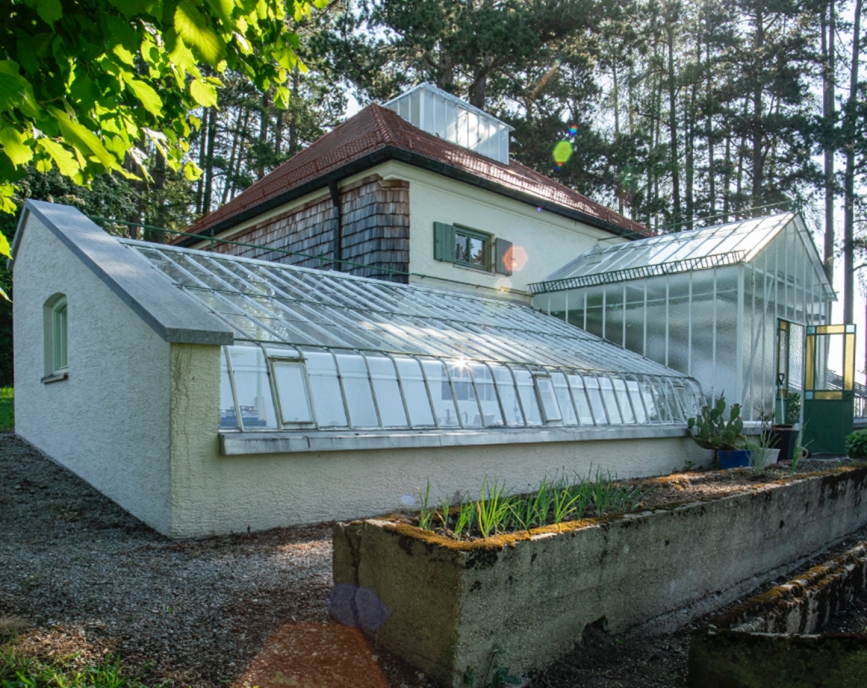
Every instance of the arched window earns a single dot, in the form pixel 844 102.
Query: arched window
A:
pixel 56 338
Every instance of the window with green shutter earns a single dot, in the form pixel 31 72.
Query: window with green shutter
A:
pixel 470 247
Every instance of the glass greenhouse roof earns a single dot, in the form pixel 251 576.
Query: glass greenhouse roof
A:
pixel 325 350
pixel 709 247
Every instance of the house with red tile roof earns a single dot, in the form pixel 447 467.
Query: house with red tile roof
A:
pixel 421 190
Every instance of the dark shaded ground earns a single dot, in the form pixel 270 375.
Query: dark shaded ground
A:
pixel 91 581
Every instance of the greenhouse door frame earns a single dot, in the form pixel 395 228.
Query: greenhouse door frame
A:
pixel 828 413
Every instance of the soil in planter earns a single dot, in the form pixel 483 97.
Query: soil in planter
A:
pixel 622 496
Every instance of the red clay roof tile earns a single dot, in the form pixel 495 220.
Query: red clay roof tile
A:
pixel 376 128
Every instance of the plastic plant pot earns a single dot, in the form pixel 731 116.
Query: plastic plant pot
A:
pixel 733 458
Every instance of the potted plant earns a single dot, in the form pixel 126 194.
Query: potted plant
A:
pixel 720 428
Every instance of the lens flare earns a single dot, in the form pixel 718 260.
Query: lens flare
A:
pixel 573 129
pixel 562 152
pixel 357 607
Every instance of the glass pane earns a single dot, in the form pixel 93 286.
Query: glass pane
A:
pixel 561 389
pixel 545 389
pixel 648 393
pixel 327 399
pixel 656 320
pixel 635 318
pixel 477 251
pixel 623 398
pixel 465 394
pixel 387 392
pixel 527 390
pixel 253 388
pixel 594 312
pixel 356 387
pixel 508 395
pixel 610 400
pixel 592 385
pixel 292 390
pixel 228 416
pixel 415 391
pixel 444 404
pixel 487 394
pixel 635 396
pixel 614 314
pixel 584 415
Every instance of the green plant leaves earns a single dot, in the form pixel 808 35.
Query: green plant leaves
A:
pixel 12 90
pixel 146 94
pixel 13 142
pixel 196 31
pixel 5 250
pixel 204 94
pixel 83 140
pixel 49 10
pixel 64 160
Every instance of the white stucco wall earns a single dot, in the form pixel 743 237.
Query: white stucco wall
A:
pixel 543 241
pixel 214 494
pixel 109 422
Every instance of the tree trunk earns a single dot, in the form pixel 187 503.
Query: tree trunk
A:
pixel 829 28
pixel 672 125
pixel 200 186
pixel 757 124
pixel 209 162
pixel 264 121
pixel 849 142
pixel 236 137
pixel 236 171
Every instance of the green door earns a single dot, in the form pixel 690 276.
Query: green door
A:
pixel 828 413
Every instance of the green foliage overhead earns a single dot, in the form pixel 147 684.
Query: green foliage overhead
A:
pixel 87 87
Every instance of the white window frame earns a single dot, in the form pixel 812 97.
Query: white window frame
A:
pixel 56 334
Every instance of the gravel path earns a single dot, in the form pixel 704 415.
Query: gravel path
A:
pixel 243 610
pixel 92 579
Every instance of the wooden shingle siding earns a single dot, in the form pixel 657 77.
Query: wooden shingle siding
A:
pixel 375 218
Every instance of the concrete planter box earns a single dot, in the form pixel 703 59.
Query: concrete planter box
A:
pixel 768 640
pixel 530 594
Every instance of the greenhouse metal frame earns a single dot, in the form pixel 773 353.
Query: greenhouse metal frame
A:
pixel 707 302
pixel 325 351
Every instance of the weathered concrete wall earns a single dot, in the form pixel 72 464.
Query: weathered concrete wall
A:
pixel 109 422
pixel 760 642
pixel 532 594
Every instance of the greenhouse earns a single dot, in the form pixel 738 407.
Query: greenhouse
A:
pixel 211 394
pixel 321 350
pixel 727 305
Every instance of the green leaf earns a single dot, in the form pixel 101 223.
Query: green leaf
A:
pixel 196 31
pixel 204 94
pixel 223 9
pixel 146 94
pixel 3 294
pixel 125 55
pixel 11 91
pixel 132 8
pixel 13 144
pixel 49 10
pixel 64 160
pixel 192 171
pixel 82 139
pixel 5 250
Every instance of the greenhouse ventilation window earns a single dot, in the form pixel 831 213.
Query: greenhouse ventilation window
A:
pixel 324 351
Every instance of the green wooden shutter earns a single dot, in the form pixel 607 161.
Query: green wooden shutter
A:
pixel 444 242
pixel 503 257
